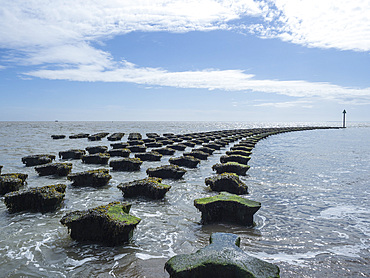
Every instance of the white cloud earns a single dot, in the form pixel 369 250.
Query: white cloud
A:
pixel 341 24
pixel 230 80
pixel 287 104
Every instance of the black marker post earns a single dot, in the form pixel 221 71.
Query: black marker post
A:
pixel 344 118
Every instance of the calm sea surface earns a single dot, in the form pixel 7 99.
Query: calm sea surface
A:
pixel 313 185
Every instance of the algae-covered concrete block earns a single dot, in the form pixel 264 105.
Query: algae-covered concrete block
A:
pixel 9 184
pixel 109 224
pixel 94 178
pixel 231 167
pixel 97 149
pixel 37 159
pixel 98 158
pixel 198 154
pixel 72 154
pixel 58 169
pixel 150 187
pixel 227 207
pixel 37 199
pixel 166 172
pixel 222 258
pixel 115 136
pixel 149 156
pixel 126 164
pixel 186 161
pixel 120 152
pixel 239 152
pixel 228 182
pixel 165 151
pixel 235 158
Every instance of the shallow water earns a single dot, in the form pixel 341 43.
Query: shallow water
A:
pixel 313 186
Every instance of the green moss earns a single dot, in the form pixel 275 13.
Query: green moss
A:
pixel 227 197
pixel 117 212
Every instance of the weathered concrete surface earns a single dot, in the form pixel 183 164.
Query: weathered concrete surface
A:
pixel 222 258
pixel 152 188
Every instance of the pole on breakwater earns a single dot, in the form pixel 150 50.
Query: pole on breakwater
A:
pixel 344 118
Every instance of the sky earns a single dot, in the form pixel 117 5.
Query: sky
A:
pixel 185 60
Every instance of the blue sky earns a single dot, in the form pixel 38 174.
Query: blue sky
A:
pixel 276 60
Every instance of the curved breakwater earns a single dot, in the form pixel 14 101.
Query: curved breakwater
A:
pixel 311 224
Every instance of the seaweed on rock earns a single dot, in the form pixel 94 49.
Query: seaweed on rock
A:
pixel 149 187
pixel 227 207
pixel 228 182
pixel 94 178
pixel 36 199
pixel 166 172
pixel 37 159
pixel 57 169
pixel 126 164
pixel 222 258
pixel 72 154
pixel 235 158
pixel 149 156
pixel 109 224
pixel 185 161
pixel 98 158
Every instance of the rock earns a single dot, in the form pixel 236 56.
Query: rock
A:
pixel 115 136
pixel 198 154
pixel 126 164
pixel 222 258
pixel 108 224
pixel 120 152
pixel 37 199
pixel 241 148
pixel 165 151
pixel 98 158
pixel 94 178
pixel 148 140
pixel 97 149
pixel 231 167
pixel 134 136
pixel 235 158
pixel 78 136
pixel 186 161
pixel 166 172
pixel 149 187
pixel 137 148
pixel 37 159
pixel 72 154
pixel 165 141
pixel 135 142
pixel 213 146
pixel 9 184
pixel 58 136
pixel 149 156
pixel 239 152
pixel 21 176
pixel 98 136
pixel 153 145
pixel 58 169
pixel 178 147
pixel 205 149
pixel 189 144
pixel 152 135
pixel 226 207
pixel 120 145
pixel 228 182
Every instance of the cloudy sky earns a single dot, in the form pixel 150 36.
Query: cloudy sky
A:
pixel 231 60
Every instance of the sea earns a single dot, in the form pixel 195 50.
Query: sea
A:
pixel 313 185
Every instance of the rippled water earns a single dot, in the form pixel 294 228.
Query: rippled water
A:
pixel 313 186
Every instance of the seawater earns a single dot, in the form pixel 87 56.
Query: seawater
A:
pixel 313 186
